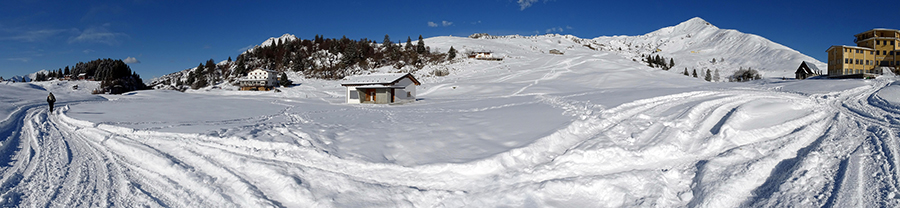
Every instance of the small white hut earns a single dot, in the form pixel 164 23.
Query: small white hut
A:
pixel 381 88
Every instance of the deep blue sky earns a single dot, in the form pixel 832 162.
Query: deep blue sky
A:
pixel 169 36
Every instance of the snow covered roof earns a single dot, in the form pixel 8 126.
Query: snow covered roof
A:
pixel 878 29
pixel 376 86
pixel 265 70
pixel 372 79
pixel 811 66
pixel 846 46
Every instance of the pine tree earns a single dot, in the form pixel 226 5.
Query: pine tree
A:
pixel 708 76
pixel 408 46
pixel 671 63
pixel 685 72
pixel 192 77
pixel 716 75
pixel 210 66
pixel 420 46
pixel 695 73
pixel 67 71
pixel 200 83
pixel 229 59
pixel 451 54
pixel 387 41
pixel 284 81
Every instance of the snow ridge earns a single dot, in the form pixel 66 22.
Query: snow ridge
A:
pixel 693 44
pixel 287 37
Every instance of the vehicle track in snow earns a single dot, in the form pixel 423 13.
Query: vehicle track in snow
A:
pixel 869 176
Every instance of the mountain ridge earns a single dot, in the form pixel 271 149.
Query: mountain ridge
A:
pixel 694 44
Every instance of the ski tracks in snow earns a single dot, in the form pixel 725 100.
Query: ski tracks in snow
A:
pixel 723 148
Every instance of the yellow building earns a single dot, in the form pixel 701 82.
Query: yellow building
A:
pixel 874 49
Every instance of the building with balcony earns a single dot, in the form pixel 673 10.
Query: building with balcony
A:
pixel 876 50
pixel 259 80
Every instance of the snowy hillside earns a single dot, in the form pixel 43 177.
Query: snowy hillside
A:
pixel 694 43
pixel 588 128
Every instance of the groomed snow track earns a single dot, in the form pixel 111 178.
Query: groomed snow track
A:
pixel 713 148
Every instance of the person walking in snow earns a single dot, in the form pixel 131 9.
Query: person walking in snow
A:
pixel 50 100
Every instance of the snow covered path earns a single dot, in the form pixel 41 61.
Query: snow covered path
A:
pixel 700 148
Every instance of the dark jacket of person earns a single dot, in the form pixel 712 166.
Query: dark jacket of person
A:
pixel 51 98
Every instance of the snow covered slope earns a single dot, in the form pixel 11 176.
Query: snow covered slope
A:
pixel 588 128
pixel 694 43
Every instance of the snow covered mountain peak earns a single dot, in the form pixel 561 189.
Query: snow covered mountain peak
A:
pixel 284 38
pixel 287 37
pixel 691 26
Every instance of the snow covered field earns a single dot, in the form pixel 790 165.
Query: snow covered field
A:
pixel 584 129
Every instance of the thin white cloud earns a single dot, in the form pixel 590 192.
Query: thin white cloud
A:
pixel 444 23
pixel 98 35
pixel 86 51
pixel 34 35
pixel 554 29
pixel 19 59
pixel 527 3
pixel 244 49
pixel 131 60
pixel 557 29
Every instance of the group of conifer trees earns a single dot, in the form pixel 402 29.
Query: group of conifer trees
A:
pixel 659 62
pixel 113 74
pixel 206 75
pixel 709 77
pixel 318 58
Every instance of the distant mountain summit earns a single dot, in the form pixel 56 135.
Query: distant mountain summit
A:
pixel 695 43
pixel 272 40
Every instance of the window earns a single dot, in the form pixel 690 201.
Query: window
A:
pixel 354 94
pixel 877 42
pixel 877 52
pixel 846 61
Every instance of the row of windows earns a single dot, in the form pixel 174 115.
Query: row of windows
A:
pixel 870 62
pixel 891 53
pixel 853 71
pixel 878 42
pixel 856 50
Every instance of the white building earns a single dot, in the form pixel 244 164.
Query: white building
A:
pixel 483 55
pixel 381 88
pixel 259 79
